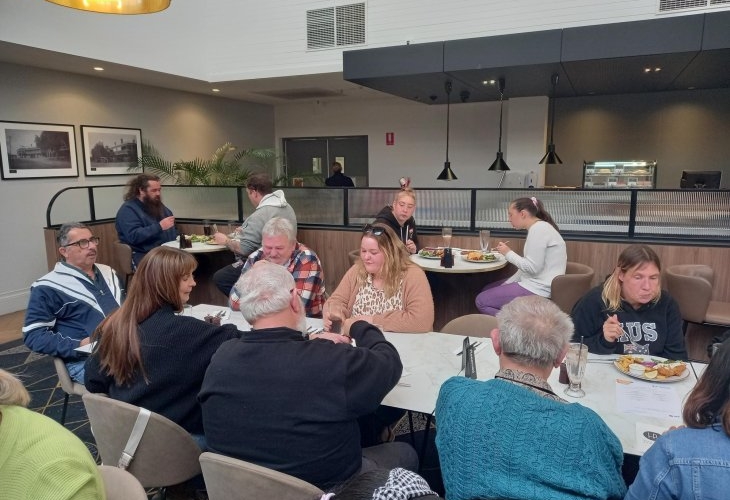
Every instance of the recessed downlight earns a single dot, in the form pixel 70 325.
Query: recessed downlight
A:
pixel 98 68
pixel 215 90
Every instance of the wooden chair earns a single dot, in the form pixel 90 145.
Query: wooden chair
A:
pixel 166 454
pixel 123 253
pixel 473 325
pixel 228 478
pixel 120 484
pixel 691 286
pixel 568 288
pixel 68 386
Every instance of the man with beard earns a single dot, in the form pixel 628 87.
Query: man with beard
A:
pixel 143 222
pixel 67 304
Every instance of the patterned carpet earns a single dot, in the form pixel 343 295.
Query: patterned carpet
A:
pixel 38 374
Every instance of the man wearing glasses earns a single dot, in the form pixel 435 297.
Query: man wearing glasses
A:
pixel 67 304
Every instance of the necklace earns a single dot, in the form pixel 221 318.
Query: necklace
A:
pixel 521 382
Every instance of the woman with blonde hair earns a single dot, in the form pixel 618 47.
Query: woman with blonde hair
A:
pixel 399 217
pixel 545 257
pixel 383 287
pixel 148 354
pixel 630 313
pixel 39 458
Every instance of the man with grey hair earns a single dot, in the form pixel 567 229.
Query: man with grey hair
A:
pixel 67 304
pixel 279 246
pixel 281 401
pixel 488 432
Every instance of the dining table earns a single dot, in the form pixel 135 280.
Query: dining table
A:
pixel 455 288
pixel 210 258
pixel 637 411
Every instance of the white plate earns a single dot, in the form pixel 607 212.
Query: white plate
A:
pixel 674 378
pixel 432 257
pixel 480 261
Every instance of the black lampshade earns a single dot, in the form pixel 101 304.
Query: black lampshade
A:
pixel 447 174
pixel 551 157
pixel 499 163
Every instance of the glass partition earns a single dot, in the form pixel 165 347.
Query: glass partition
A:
pixel 655 214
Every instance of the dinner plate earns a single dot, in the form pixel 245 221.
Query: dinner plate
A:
pixel 674 378
pixel 480 261
pixel 432 257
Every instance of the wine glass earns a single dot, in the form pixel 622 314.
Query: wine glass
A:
pixel 484 240
pixel 575 362
pixel 446 235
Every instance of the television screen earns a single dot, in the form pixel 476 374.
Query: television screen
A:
pixel 700 179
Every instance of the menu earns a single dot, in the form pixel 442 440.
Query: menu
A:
pixel 650 400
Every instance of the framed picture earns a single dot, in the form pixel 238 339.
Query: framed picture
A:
pixel 37 150
pixel 110 151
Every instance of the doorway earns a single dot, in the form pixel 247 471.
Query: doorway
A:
pixel 309 158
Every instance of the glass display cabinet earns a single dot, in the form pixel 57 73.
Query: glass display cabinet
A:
pixel 619 174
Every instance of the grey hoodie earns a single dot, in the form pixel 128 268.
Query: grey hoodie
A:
pixel 271 205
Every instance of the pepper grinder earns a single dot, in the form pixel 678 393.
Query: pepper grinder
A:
pixel 447 259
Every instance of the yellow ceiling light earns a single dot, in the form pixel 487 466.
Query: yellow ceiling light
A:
pixel 116 6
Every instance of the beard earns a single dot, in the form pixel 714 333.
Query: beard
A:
pixel 154 207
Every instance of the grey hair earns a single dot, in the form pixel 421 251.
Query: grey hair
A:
pixel 62 236
pixel 533 331
pixel 264 290
pixel 12 391
pixel 277 226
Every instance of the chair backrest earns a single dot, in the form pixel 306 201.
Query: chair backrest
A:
pixel 474 325
pixel 228 478
pixel 120 484
pixel 689 285
pixel 166 454
pixel 353 255
pixel 124 257
pixel 567 289
pixel 67 384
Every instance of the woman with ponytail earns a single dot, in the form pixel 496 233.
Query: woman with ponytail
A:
pixel 545 257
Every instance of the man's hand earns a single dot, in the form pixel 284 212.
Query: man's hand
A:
pixel 167 222
pixel 333 337
pixel 220 238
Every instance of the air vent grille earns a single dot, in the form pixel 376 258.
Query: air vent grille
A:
pixel 338 26
pixel 671 5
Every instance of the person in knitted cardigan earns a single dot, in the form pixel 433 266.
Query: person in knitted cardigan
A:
pixel 383 287
pixel 150 356
pixel 513 437
pixel 39 458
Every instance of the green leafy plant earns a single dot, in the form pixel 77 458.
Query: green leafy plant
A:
pixel 228 166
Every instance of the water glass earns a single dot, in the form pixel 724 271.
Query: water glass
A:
pixel 446 235
pixel 576 361
pixel 484 239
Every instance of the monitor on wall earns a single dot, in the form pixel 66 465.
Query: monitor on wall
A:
pixel 700 179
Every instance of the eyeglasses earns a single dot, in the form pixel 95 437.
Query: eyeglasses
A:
pixel 84 243
pixel 374 230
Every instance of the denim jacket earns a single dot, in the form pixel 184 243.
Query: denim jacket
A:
pixel 685 463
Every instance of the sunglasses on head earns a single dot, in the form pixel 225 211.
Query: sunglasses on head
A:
pixel 374 230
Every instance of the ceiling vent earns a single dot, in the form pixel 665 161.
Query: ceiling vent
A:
pixel 672 5
pixel 338 26
pixel 306 93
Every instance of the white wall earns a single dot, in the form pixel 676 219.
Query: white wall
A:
pixel 180 125
pixel 238 39
pixel 420 136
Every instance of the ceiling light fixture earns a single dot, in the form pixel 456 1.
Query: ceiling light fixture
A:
pixel 116 6
pixel 499 163
pixel 215 90
pixel 98 68
pixel 551 157
pixel 447 174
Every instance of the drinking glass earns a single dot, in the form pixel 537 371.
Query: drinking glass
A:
pixel 232 225
pixel 484 240
pixel 446 235
pixel 206 228
pixel 575 362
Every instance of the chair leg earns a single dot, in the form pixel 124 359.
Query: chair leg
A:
pixel 424 444
pixel 65 407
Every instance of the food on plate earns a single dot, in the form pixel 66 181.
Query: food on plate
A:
pixel 481 257
pixel 198 238
pixel 431 252
pixel 650 368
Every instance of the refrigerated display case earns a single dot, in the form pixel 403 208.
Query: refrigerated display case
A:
pixel 633 174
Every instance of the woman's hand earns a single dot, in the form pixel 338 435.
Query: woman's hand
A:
pixel 503 248
pixel 612 329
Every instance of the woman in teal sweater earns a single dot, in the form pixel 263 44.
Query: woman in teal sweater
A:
pixel 512 437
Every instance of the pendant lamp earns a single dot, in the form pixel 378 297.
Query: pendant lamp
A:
pixel 447 174
pixel 551 157
pixel 115 6
pixel 499 163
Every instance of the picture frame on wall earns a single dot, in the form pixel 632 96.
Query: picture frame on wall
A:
pixel 37 150
pixel 109 150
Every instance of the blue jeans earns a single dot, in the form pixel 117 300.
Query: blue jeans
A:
pixel 76 370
